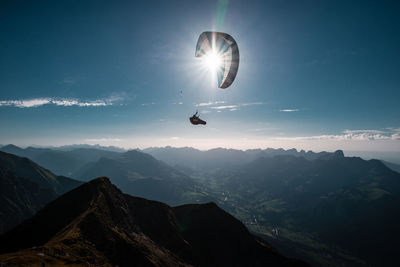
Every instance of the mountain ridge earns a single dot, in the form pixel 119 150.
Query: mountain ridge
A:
pixel 109 228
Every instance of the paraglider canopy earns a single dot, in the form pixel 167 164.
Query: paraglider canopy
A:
pixel 221 53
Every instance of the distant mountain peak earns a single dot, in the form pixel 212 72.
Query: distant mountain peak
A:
pixel 11 146
pixel 99 182
pixel 339 153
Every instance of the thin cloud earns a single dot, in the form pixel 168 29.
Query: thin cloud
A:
pixel 363 131
pixel 210 103
pixel 103 140
pixel 251 104
pixel 289 110
pixel 225 107
pixel 148 104
pixel 65 102
pixel 69 103
pixel 161 53
pixel 259 129
pixel 215 105
pixel 396 136
pixel 392 129
pixel 26 103
pixel 349 135
pixel 68 80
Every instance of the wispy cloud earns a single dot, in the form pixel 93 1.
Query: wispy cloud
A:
pixel 289 110
pixel 27 103
pixel 102 140
pixel 225 107
pixel 251 104
pixel 161 53
pixel 148 104
pixel 259 129
pixel 363 131
pixel 216 105
pixel 210 103
pixel 350 135
pixel 394 130
pixel 68 81
pixel 66 102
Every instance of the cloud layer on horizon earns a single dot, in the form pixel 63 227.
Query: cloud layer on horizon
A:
pixel 66 102
pixel 353 135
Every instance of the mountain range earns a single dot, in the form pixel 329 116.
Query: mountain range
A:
pixel 72 160
pixel 60 160
pixel 328 209
pixel 325 208
pixel 221 157
pixel 140 174
pixel 96 224
pixel 346 202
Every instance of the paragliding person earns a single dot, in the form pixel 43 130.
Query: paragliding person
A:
pixel 195 120
pixel 220 52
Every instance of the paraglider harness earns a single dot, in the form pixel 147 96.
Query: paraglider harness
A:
pixel 195 120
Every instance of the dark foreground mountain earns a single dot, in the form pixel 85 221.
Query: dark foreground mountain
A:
pixel 140 174
pixel 97 224
pixel 25 187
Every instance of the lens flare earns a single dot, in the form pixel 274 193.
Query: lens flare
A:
pixel 213 61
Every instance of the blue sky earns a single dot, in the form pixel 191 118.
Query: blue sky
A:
pixel 319 75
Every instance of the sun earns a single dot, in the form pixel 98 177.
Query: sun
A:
pixel 212 60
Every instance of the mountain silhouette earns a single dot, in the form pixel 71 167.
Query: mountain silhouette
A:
pixel 221 158
pixel 97 224
pixel 392 166
pixel 25 188
pixel 140 174
pixel 61 161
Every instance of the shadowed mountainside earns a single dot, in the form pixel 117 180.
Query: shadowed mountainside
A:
pixel 97 224
pixel 25 187
pixel 333 206
pixel 392 166
pixel 59 160
pixel 140 174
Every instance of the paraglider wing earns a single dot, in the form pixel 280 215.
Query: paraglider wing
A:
pixel 226 47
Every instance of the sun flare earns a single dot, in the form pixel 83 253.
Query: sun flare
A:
pixel 212 60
